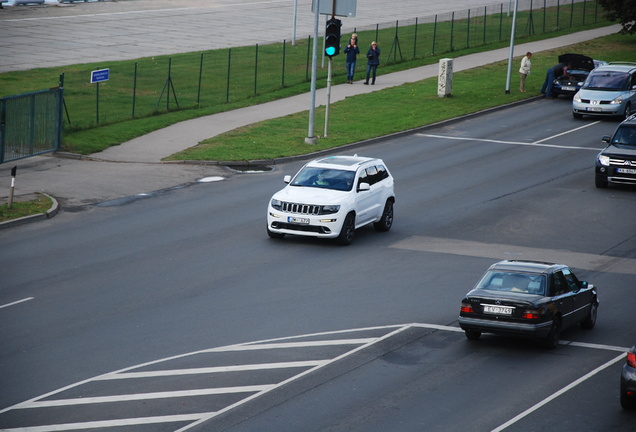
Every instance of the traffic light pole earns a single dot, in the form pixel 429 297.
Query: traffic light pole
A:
pixel 328 96
pixel 311 139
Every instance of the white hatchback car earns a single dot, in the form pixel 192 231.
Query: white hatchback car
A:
pixel 331 197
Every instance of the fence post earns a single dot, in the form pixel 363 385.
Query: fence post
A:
pixel 134 91
pixel 308 58
pixel 468 30
pixel 200 77
pixel 282 83
pixel 434 34
pixel 415 40
pixel 500 19
pixel 485 16
pixel 229 62
pixel 255 69
pixel 452 30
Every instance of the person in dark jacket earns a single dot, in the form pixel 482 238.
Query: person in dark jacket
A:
pixel 555 71
pixel 373 56
pixel 352 52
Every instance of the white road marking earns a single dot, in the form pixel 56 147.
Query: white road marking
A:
pixel 569 131
pixel 579 260
pixel 559 393
pixel 211 370
pixel 109 423
pixel 310 366
pixel 520 143
pixel 16 302
pixel 143 396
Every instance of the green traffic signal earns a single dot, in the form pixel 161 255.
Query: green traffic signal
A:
pixel 332 37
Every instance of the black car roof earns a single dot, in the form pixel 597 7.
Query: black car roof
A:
pixel 577 61
pixel 527 266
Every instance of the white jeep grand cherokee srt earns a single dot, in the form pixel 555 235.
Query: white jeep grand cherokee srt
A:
pixel 332 196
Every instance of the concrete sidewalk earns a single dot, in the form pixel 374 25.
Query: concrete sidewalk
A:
pixel 165 142
pixel 134 168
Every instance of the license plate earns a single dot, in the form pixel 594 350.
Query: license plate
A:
pixel 498 310
pixel 594 109
pixel 298 220
pixel 626 171
pixel 567 88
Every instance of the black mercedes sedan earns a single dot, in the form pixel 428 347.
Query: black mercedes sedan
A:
pixel 528 299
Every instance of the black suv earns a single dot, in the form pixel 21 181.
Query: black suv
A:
pixel 617 162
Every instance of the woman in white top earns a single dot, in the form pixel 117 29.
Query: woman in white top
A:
pixel 524 71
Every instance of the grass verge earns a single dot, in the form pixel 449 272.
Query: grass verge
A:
pixel 19 209
pixel 396 109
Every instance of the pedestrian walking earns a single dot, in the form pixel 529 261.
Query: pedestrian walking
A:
pixel 524 71
pixel 352 52
pixel 373 56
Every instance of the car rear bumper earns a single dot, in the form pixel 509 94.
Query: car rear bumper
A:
pixel 506 328
pixel 628 380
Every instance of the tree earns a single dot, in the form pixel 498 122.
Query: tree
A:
pixel 623 11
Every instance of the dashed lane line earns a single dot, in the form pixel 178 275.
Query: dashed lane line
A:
pixel 16 302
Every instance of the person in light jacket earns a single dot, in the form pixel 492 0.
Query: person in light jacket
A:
pixel 524 71
pixel 373 56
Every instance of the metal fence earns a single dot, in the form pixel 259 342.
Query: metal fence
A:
pixel 30 124
pixel 212 79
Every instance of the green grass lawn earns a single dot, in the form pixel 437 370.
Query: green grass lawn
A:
pixel 397 109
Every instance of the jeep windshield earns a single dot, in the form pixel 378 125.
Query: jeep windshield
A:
pixel 325 178
pixel 607 81
pixel 625 137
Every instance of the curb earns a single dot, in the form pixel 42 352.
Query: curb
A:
pixel 55 208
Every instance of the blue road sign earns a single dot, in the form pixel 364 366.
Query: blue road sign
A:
pixel 100 75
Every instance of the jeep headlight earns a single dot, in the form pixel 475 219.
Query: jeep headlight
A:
pixel 276 204
pixel 330 209
pixel 604 160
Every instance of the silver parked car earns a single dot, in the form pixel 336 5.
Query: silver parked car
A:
pixel 609 90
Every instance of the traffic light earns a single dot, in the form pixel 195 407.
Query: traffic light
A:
pixel 332 37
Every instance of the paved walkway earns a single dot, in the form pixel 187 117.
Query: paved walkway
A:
pixel 132 168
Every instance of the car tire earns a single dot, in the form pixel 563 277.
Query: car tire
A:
pixel 590 321
pixel 600 182
pixel 345 237
pixel 628 403
pixel 472 335
pixel 274 235
pixel 577 115
pixel 386 221
pixel 552 340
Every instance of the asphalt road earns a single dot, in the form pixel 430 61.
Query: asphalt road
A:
pixel 140 313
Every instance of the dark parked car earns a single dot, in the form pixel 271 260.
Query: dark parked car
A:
pixel 528 299
pixel 580 67
pixel 616 163
pixel 628 381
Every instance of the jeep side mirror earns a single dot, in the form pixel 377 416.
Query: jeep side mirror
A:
pixel 287 178
pixel 606 139
pixel 364 187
